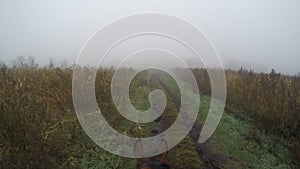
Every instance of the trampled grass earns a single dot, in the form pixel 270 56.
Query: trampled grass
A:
pixel 245 145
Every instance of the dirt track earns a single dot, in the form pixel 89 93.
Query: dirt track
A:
pixel 210 160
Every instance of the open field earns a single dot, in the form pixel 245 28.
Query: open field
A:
pixel 39 129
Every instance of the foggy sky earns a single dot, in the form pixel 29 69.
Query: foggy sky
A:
pixel 261 34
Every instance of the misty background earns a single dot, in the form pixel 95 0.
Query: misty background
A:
pixel 253 34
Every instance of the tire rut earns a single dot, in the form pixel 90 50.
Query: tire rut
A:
pixel 210 160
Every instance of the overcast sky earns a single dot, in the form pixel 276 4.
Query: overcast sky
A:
pixel 261 34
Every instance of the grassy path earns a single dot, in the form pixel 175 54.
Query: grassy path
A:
pixel 236 143
pixel 244 145
pixel 184 155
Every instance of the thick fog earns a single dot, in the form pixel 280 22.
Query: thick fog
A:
pixel 254 34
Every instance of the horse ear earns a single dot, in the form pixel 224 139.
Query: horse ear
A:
pixel 163 150
pixel 138 149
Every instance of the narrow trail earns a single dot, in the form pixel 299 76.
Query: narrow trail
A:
pixel 157 125
pixel 210 160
